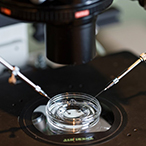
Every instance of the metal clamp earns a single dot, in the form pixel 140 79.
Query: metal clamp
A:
pixel 15 71
pixel 143 56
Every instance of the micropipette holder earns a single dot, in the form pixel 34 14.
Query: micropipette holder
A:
pixel 16 72
pixel 117 79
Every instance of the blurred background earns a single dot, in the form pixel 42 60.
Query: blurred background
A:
pixel 129 33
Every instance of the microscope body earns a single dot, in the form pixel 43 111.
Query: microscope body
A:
pixel 70 25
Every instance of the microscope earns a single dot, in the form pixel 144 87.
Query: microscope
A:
pixel 75 114
pixel 71 24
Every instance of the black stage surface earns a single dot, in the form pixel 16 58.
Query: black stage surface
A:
pixel 126 100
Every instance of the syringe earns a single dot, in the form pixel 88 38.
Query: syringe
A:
pixel 117 79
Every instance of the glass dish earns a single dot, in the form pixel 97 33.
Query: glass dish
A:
pixel 72 113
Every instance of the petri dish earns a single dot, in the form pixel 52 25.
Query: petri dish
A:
pixel 72 113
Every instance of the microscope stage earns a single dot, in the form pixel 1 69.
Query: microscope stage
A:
pixel 123 105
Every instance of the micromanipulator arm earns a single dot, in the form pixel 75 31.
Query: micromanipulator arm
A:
pixel 16 72
pixel 117 79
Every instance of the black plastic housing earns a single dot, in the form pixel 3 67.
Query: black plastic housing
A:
pixel 71 43
pixel 70 25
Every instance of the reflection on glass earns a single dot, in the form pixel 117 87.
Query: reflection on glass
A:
pixel 70 113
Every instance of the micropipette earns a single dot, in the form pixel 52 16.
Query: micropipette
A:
pixel 16 72
pixel 117 79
